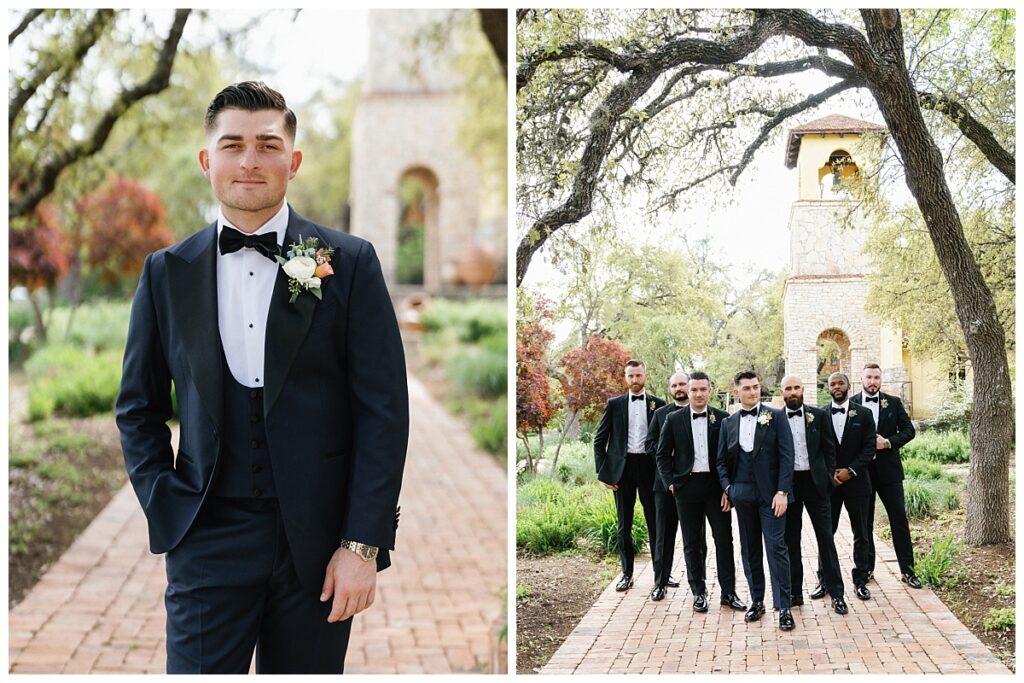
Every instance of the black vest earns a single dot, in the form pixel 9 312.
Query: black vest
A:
pixel 245 470
pixel 745 467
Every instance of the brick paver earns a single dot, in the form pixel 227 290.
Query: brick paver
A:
pixel 100 608
pixel 899 630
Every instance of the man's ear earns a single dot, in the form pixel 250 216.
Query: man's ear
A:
pixel 296 162
pixel 204 161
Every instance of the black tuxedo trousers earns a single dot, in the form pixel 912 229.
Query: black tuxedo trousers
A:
pixel 637 479
pixel 697 499
pixel 819 510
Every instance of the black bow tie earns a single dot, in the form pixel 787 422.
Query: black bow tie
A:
pixel 796 413
pixel 838 409
pixel 752 412
pixel 232 240
pixel 637 398
pixel 871 398
pixel 697 416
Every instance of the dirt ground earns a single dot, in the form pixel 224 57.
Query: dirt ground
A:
pixel 552 595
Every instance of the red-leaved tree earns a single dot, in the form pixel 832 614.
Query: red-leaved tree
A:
pixel 535 403
pixel 590 376
pixel 37 258
pixel 123 222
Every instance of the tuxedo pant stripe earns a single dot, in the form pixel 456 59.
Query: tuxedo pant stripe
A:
pixel 232 589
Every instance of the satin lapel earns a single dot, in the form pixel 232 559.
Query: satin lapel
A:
pixel 287 323
pixel 193 283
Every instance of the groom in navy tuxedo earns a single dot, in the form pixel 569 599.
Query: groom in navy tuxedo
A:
pixel 280 504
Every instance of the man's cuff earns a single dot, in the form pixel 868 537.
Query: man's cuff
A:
pixel 852 472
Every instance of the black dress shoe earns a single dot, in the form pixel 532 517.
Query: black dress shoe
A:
pixel 818 592
pixel 862 591
pixel 911 580
pixel 755 612
pixel 658 593
pixel 839 605
pixel 672 583
pixel 734 601
pixel 786 622
pixel 797 601
pixel 624 584
pixel 700 603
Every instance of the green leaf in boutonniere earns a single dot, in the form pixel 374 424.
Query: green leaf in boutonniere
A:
pixel 307 266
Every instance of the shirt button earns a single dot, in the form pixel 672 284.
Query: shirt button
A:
pixel 250 274
pixel 250 326
pixel 254 393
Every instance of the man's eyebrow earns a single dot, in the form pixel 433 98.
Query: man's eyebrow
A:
pixel 261 137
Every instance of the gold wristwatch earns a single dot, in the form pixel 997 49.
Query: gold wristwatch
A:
pixel 365 552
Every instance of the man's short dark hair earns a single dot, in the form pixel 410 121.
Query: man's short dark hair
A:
pixel 250 96
pixel 742 375
pixel 634 363
pixel 874 366
pixel 697 374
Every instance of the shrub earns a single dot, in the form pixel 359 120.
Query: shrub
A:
pixel 67 380
pixel 470 320
pixel 1000 619
pixel 940 447
pixel 98 325
pixel 926 498
pixel 939 567
pixel 549 516
pixel 575 463
pixel 482 372
pixel 602 524
pixel 923 469
pixel 954 411
pixel 491 431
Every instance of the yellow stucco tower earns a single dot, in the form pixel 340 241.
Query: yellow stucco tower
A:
pixel 823 300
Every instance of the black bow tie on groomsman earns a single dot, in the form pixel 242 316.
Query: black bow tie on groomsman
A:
pixel 838 409
pixel 697 416
pixel 231 240
pixel 869 399
pixel 796 413
pixel 752 412
pixel 637 398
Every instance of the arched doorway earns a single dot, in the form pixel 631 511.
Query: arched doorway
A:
pixel 834 355
pixel 837 176
pixel 417 227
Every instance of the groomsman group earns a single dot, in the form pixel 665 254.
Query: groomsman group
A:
pixel 691 464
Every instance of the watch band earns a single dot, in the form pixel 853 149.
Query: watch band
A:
pixel 364 551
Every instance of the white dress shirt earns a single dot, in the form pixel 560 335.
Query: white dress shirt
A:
pixel 245 283
pixel 839 419
pixel 873 406
pixel 637 436
pixel 701 463
pixel 748 425
pixel 798 425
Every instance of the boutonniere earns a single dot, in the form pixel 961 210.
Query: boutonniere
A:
pixel 852 413
pixel 651 405
pixel 885 403
pixel 808 417
pixel 764 418
pixel 711 418
pixel 307 266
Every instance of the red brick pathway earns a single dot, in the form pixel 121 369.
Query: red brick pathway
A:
pixel 899 630
pixel 100 609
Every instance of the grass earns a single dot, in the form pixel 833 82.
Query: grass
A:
pixel 1000 619
pixel 938 567
pixel 939 447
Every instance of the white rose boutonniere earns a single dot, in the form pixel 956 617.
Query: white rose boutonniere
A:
pixel 711 418
pixel 651 405
pixel 885 403
pixel 307 266
pixel 852 413
pixel 764 418
pixel 808 417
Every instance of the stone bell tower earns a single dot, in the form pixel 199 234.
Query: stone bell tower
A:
pixel 825 292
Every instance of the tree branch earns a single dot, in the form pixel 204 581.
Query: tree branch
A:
pixel 27 201
pixel 29 17
pixel 974 130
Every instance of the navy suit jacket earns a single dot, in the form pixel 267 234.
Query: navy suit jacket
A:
pixel 612 434
pixel 336 403
pixel 893 424
pixel 773 453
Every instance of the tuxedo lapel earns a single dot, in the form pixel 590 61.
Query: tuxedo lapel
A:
pixel 287 323
pixel 759 430
pixel 192 277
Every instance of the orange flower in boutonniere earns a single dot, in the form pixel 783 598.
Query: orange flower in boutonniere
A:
pixel 306 267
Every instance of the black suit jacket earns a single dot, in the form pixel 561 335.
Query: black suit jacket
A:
pixel 675 454
pixel 336 406
pixel 893 424
pixel 773 453
pixel 653 434
pixel 857 447
pixel 821 449
pixel 612 433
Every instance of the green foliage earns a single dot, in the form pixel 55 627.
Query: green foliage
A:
pixel 940 447
pixel 575 463
pixel 924 469
pixel 1005 590
pixel 482 372
pixel 523 591
pixel 67 380
pixel 409 268
pixel 954 411
pixel 927 498
pixel 95 325
pixel 549 517
pixel 468 321
pixel 939 567
pixel 491 431
pixel 1000 619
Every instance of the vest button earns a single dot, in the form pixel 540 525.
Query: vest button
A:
pixel 254 443
pixel 257 468
pixel 253 393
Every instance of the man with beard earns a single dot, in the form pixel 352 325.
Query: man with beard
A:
pixel 755 464
pixel 686 450
pixel 894 430
pixel 623 464
pixel 664 507
pixel 853 430
pixel 814 458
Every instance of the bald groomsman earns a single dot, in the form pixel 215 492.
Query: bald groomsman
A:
pixel 623 465
pixel 666 519
pixel 814 458
pixel 853 431
pixel 893 431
